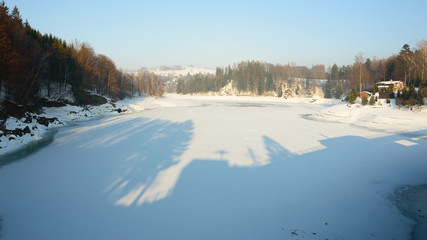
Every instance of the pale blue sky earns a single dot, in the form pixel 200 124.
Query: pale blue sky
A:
pixel 218 33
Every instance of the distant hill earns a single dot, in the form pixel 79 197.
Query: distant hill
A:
pixel 179 71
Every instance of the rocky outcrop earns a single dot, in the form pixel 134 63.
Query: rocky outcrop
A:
pixel 304 88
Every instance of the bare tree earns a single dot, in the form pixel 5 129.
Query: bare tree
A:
pixel 359 59
pixel 422 57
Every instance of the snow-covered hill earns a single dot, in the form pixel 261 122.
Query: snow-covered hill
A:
pixel 178 71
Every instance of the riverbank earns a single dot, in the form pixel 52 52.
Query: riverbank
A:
pixel 382 116
pixel 19 132
pixel 32 129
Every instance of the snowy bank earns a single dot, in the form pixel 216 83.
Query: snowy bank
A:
pixel 385 117
pixel 19 132
pixel 34 127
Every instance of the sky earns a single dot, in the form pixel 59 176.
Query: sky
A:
pixel 137 34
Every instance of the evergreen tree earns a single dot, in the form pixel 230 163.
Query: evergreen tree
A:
pixel 368 64
pixel 16 16
pixel 353 96
pixel 279 91
pixel 405 94
pixel 3 8
pixel 372 100
pixel 420 98
pixel 328 88
pixel 364 100
pixel 412 92
pixel 335 75
pixel 269 83
pixel 412 96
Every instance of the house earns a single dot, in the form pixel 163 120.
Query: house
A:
pixel 387 89
pixel 365 94
pixel 384 86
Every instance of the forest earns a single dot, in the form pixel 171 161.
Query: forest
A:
pixel 259 78
pixel 253 77
pixel 31 61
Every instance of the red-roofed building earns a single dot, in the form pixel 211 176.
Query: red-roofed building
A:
pixel 365 94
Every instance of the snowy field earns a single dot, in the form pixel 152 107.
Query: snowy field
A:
pixel 185 167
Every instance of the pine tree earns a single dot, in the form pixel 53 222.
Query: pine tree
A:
pixel 412 92
pixel 269 83
pixel 335 73
pixel 16 15
pixel 364 100
pixel 420 98
pixel 353 96
pixel 328 89
pixel 372 100
pixel 332 83
pixel 412 95
pixel 279 91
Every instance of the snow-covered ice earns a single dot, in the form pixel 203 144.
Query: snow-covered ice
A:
pixel 219 168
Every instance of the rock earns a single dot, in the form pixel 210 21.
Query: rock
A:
pixel 45 121
pixel 28 119
pixel 26 130
pixel 85 98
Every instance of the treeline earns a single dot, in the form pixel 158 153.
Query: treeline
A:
pixel 30 60
pixel 261 78
pixel 252 77
pixel 408 66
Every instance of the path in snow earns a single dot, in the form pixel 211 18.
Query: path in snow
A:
pixel 213 169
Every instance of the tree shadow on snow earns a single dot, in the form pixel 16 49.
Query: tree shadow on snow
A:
pixel 338 192
pixel 124 158
pixel 145 150
pixel 328 193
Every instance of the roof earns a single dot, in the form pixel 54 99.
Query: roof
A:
pixel 365 93
pixel 389 82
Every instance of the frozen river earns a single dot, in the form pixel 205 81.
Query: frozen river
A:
pixel 206 168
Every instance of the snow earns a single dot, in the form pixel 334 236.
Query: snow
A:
pixel 384 117
pixel 68 114
pixel 389 82
pixel 180 71
pixel 406 143
pixel 10 143
pixel 257 99
pixel 195 167
pixel 58 92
